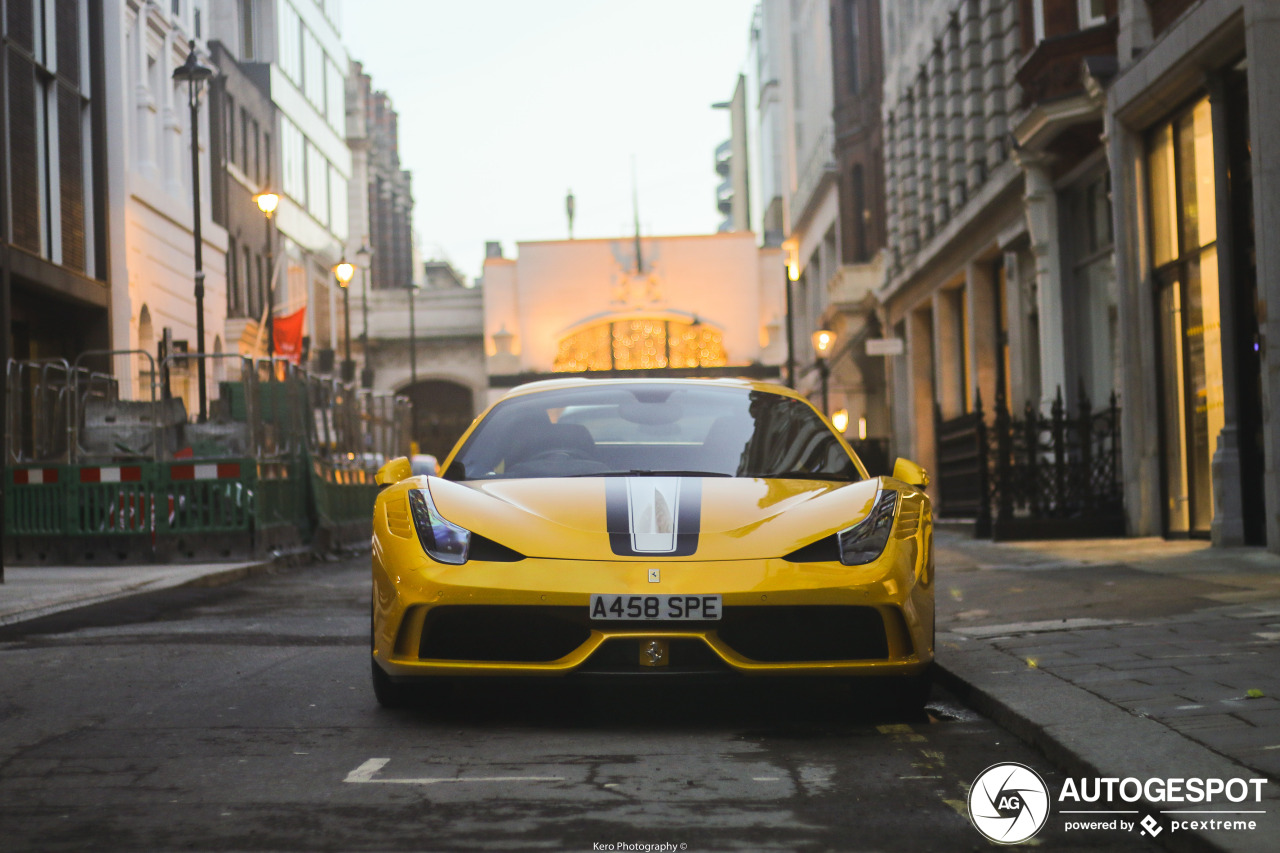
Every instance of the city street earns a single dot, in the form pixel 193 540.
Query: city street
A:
pixel 241 718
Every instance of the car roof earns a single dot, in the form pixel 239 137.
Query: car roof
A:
pixel 583 382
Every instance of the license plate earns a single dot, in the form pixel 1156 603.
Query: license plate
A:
pixel 630 608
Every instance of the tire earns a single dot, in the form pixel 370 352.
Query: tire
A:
pixel 911 693
pixel 388 693
pixel 899 695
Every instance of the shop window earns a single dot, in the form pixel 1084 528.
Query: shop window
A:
pixel 1184 255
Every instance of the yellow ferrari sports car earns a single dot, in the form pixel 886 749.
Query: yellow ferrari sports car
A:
pixel 652 528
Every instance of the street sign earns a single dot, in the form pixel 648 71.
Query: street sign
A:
pixel 884 346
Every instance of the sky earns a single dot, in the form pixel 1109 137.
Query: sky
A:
pixel 505 105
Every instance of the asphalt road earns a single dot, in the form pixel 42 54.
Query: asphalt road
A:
pixel 241 718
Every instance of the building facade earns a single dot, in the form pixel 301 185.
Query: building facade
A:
pixel 244 152
pixel 963 289
pixel 292 49
pixel 705 305
pixel 1192 131
pixel 152 198
pixel 54 223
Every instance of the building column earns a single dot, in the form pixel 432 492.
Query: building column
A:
pixel 1262 34
pixel 1227 527
pixel 1139 371
pixel 919 364
pixel 1046 247
pixel 982 332
pixel 948 353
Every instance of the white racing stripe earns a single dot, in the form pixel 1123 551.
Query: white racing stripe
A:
pixel 653 505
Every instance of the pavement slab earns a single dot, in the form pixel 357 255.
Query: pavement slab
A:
pixel 1164 663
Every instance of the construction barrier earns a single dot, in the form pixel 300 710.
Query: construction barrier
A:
pixel 284 460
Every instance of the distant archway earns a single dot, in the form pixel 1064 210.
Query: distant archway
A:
pixel 442 411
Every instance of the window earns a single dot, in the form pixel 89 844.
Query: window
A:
pixel 317 184
pixel 860 215
pixel 234 303
pixel 244 140
pixel 50 146
pixel 1182 203
pixel 313 69
pixel 257 154
pixel 335 96
pixel 231 129
pixel 338 203
pixel 293 164
pixel 247 45
pixel 1092 13
pixel 852 11
pixel 291 42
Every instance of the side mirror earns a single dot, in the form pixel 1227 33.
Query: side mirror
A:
pixel 909 472
pixel 394 471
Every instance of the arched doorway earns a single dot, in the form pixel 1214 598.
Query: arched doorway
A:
pixel 442 411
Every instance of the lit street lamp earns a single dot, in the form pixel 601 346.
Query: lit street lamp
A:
pixel 267 203
pixel 364 256
pixel 195 73
pixel 822 343
pixel 343 272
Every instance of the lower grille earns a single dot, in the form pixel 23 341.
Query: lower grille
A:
pixel 544 633
pixel 805 633
pixel 502 633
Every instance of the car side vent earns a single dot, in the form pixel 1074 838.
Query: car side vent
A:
pixel 488 551
pixel 398 517
pixel 908 522
pixel 825 550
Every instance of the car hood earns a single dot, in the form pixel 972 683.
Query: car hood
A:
pixel 645 518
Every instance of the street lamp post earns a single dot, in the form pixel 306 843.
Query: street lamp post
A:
pixel 791 274
pixel 195 73
pixel 364 256
pixel 822 343
pixel 413 338
pixel 267 203
pixel 344 272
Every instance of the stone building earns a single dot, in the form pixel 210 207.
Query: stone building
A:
pixel 1192 129
pixel 702 305
pixel 998 227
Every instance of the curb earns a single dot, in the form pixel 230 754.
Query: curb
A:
pixel 1087 736
pixel 216 577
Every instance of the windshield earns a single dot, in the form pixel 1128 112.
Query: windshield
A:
pixel 641 429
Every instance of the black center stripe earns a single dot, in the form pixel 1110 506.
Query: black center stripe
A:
pixel 618 518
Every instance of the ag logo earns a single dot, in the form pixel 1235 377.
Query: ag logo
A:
pixel 1008 803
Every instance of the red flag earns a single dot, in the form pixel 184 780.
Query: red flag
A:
pixel 289 335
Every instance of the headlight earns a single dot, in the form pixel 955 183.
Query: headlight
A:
pixel 444 541
pixel 865 541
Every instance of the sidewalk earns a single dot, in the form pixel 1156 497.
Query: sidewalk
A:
pixel 1123 658
pixel 29 592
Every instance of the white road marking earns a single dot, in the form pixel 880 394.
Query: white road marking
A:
pixel 365 773
pixel 765 779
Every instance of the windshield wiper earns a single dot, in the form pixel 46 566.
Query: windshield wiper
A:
pixel 645 472
pixel 804 475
